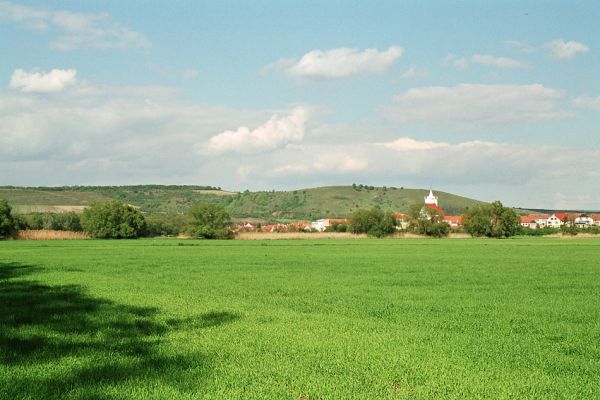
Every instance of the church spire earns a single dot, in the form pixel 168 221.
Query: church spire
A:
pixel 431 199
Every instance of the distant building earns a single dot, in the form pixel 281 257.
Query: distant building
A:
pixel 430 199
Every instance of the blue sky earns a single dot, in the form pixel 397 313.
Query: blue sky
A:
pixel 494 100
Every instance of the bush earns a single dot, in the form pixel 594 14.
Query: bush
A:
pixel 373 222
pixel 209 221
pixel 492 220
pixel 427 221
pixel 113 220
pixel 7 223
pixel 161 226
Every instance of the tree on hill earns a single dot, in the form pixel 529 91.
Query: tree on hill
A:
pixel 373 222
pixel 209 221
pixel 113 220
pixel 491 220
pixel 7 222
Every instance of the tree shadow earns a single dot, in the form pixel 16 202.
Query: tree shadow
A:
pixel 59 342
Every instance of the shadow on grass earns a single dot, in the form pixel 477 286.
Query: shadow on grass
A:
pixel 58 342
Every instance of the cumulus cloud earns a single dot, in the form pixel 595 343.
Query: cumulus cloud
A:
pixel 337 63
pixel 482 59
pixel 478 104
pixel 561 50
pixel 455 61
pixel 190 74
pixel 73 30
pixel 499 62
pixel 519 46
pixel 414 73
pixel 275 133
pixel 536 169
pixel 41 82
pixel 587 102
pixel 409 144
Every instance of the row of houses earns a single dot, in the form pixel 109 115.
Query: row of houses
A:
pixel 556 220
pixel 532 221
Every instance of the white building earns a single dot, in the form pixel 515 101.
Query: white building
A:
pixel 583 221
pixel 320 225
pixel 431 199
pixel 554 221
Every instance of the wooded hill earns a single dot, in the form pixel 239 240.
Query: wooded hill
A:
pixel 309 204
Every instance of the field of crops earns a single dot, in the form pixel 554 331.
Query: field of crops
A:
pixel 303 319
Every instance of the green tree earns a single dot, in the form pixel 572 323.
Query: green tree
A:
pixel 491 220
pixel 113 220
pixel 209 221
pixel 7 223
pixel 427 221
pixel 373 222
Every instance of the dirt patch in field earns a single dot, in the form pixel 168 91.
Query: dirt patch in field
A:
pixel 297 235
pixel 567 236
pixel 27 209
pixel 32 234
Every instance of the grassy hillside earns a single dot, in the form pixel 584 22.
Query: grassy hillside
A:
pixel 336 201
pixel 332 201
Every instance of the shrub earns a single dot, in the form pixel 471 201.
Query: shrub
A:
pixel 113 220
pixel 427 221
pixel 7 223
pixel 373 222
pixel 209 221
pixel 492 220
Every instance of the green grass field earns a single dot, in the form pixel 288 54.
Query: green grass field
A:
pixel 356 319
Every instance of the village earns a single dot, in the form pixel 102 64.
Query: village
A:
pixel 530 221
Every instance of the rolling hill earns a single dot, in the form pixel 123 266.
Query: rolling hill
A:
pixel 312 203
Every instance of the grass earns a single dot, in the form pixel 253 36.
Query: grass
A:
pixel 303 319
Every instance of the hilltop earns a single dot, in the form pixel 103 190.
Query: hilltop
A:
pixel 310 203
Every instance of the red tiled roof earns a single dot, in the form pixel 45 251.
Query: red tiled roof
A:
pixel 456 219
pixel 434 207
pixel 561 216
pixel 399 215
pixel 527 219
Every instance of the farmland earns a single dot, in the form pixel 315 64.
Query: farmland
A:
pixel 304 319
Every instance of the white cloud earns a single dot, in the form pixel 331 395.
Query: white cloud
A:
pixel 562 50
pixel 588 102
pixel 414 73
pixel 477 104
pixel 499 62
pixel 275 133
pixel 519 46
pixel 190 74
pixel 456 61
pixel 73 30
pixel 40 82
pixel 409 144
pixel 338 63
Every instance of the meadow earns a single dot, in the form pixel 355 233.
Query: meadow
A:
pixel 300 319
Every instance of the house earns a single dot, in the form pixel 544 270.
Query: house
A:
pixel 454 221
pixel 299 226
pixel 540 219
pixel 402 220
pixel 596 218
pixel 583 221
pixel 322 224
pixel 556 220
pixel 528 221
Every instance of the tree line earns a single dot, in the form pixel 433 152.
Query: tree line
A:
pixel 117 220
pixel 114 219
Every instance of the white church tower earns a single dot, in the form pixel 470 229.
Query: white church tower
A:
pixel 431 199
